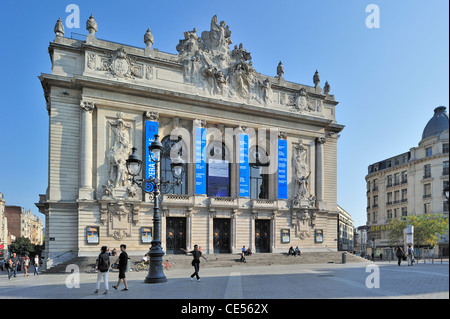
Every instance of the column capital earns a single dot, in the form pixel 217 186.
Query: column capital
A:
pixel 321 140
pixel 87 106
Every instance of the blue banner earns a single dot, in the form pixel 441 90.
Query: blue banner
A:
pixel 282 169
pixel 151 128
pixel 200 160
pixel 244 169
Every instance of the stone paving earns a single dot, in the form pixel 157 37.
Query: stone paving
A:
pixel 300 281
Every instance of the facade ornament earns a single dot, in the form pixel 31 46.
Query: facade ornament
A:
pixel 87 106
pixel 59 28
pixel 266 91
pixel 148 38
pixel 120 144
pixel 282 135
pixel 280 70
pixel 121 65
pixel 326 88
pixel 321 140
pixel 199 123
pixel 152 116
pixel 304 222
pixel 91 25
pixel 303 102
pixel 316 78
pixel 302 173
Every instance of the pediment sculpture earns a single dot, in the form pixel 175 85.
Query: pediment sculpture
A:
pixel 209 64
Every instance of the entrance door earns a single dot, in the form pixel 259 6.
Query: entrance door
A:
pixel 175 234
pixel 262 235
pixel 221 229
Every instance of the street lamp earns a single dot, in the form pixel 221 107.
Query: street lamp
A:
pixel 153 185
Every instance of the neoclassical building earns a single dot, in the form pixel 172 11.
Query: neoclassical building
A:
pixel 411 183
pixel 259 151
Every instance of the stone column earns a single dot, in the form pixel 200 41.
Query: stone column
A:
pixel 319 172
pixel 85 190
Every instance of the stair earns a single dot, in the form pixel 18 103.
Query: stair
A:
pixel 86 264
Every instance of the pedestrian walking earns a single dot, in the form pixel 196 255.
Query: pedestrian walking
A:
pixel 410 254
pixel 122 261
pixel 36 265
pixel 399 254
pixel 15 261
pixel 26 264
pixel 103 264
pixel 9 268
pixel 196 253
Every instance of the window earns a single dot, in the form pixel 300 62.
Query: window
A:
pixel 404 195
pixel 389 198
pixel 174 147
pixel 396 196
pixel 397 179
pixel 445 168
pixel 427 208
pixel 259 182
pixel 445 148
pixel 375 201
pixel 389 181
pixel 427 190
pixel 428 152
pixel 389 214
pixel 404 177
pixel 375 185
pixel 404 211
pixel 427 171
pixel 445 206
pixel 218 169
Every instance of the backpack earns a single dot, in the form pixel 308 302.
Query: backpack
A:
pixel 103 265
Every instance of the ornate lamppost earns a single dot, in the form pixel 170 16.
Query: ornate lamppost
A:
pixel 154 186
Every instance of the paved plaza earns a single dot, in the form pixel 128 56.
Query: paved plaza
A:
pixel 351 280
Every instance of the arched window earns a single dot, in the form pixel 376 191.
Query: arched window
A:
pixel 218 167
pixel 175 147
pixel 259 182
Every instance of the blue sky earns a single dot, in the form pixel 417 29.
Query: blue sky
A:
pixel 388 80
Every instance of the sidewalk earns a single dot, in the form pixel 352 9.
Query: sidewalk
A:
pixel 242 282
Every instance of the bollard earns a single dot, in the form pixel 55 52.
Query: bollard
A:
pixel 344 258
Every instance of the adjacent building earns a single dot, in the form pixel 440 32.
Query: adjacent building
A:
pixel 259 151
pixel 410 183
pixel 22 223
pixel 345 231
pixel 4 238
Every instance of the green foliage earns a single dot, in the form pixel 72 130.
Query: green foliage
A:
pixel 427 229
pixel 22 246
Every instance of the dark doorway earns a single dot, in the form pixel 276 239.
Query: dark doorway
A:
pixel 221 229
pixel 262 235
pixel 175 234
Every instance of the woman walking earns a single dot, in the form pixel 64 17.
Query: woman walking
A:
pixel 26 264
pixel 196 261
pixel 103 269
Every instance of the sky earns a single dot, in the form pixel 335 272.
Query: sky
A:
pixel 388 79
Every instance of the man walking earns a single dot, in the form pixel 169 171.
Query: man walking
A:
pixel 410 253
pixel 122 261
pixel 196 261
pixel 15 260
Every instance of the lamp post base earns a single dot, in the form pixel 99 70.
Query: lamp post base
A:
pixel 155 272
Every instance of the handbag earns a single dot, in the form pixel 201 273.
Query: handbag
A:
pixel 404 257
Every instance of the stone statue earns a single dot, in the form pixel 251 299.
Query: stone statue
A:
pixel 326 88
pixel 119 150
pixel 316 78
pixel 59 28
pixel 302 174
pixel 280 70
pixel 266 91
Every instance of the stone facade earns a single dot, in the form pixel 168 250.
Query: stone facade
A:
pixel 100 96
pixel 22 223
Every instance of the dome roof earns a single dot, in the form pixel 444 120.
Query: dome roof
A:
pixel 437 124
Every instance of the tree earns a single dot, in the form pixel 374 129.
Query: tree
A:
pixel 22 246
pixel 427 229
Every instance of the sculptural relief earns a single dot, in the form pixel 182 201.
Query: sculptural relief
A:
pixel 302 173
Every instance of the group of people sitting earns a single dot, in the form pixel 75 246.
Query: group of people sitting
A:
pixel 294 252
